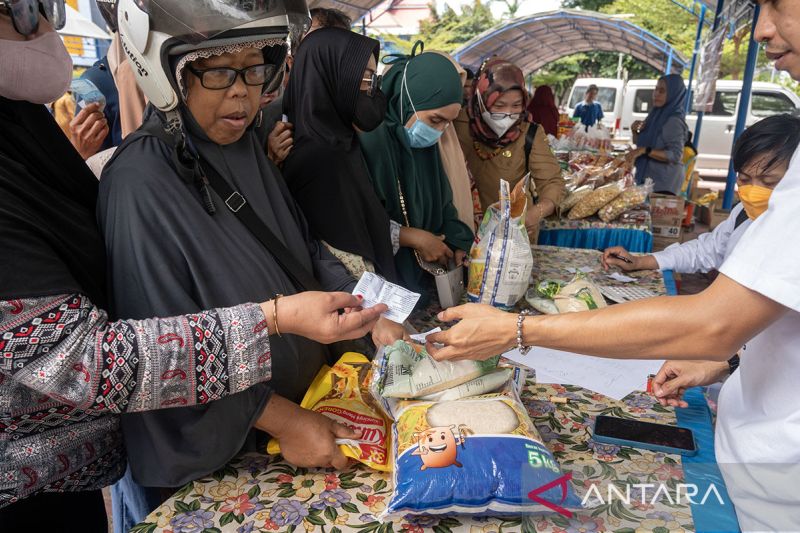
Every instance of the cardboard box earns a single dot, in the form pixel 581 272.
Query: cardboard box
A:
pixel 713 216
pixel 667 213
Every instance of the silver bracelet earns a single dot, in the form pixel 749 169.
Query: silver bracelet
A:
pixel 520 319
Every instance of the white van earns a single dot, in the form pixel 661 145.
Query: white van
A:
pixel 716 132
pixel 609 94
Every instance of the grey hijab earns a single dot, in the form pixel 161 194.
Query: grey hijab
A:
pixel 168 256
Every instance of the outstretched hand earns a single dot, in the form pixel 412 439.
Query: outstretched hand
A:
pixel 482 332
pixel 326 317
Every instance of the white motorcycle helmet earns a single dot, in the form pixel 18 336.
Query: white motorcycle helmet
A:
pixel 154 32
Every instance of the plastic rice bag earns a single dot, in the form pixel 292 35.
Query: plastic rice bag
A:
pixel 591 203
pixel 501 260
pixel 630 198
pixel 407 371
pixel 343 394
pixel 480 455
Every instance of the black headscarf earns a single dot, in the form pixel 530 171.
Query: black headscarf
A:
pixel 325 170
pixel 169 256
pixel 48 233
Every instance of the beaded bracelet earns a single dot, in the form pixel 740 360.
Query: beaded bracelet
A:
pixel 520 319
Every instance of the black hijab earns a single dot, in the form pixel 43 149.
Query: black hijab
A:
pixel 325 170
pixel 169 256
pixel 48 232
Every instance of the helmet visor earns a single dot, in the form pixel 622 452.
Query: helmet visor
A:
pixel 200 20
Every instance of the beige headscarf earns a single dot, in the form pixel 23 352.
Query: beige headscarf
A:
pixel 455 164
pixel 131 99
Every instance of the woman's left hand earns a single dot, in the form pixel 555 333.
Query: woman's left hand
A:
pixel 633 155
pixel 483 332
pixel 386 332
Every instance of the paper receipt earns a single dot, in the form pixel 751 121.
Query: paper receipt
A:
pixel 376 290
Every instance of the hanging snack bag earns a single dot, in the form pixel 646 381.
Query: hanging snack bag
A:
pixel 480 455
pixel 501 260
pixel 343 394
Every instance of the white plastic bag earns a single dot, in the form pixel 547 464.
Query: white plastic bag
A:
pixel 501 260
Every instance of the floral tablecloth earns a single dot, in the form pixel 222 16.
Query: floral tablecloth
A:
pixel 261 493
pixel 553 262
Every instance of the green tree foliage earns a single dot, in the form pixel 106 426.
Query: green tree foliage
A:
pixel 591 5
pixel 448 30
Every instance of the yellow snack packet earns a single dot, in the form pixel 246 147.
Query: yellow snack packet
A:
pixel 342 393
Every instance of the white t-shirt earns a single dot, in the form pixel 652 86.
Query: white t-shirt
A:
pixel 708 251
pixel 758 429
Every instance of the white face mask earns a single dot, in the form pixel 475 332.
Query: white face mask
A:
pixel 37 71
pixel 498 125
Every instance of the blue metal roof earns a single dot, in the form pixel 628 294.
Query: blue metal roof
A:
pixel 532 42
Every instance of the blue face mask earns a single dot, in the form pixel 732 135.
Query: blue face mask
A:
pixel 420 135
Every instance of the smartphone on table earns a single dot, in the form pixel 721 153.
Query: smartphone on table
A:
pixel 646 435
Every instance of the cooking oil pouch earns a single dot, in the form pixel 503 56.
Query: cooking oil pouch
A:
pixel 342 393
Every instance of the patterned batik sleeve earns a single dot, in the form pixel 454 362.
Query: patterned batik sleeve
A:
pixel 65 347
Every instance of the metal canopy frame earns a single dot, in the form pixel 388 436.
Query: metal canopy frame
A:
pixel 533 41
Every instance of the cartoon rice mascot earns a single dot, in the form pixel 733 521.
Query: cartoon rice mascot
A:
pixel 438 446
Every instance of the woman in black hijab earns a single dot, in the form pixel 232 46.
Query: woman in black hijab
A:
pixel 67 372
pixel 333 90
pixel 174 247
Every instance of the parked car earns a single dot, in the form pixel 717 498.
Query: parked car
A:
pixel 716 132
pixel 609 95
pixel 623 107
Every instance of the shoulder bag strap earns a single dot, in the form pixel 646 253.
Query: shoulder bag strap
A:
pixel 529 143
pixel 241 208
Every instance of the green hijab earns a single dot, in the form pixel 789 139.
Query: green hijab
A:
pixel 432 82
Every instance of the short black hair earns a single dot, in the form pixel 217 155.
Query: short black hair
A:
pixel 773 139
pixel 470 73
pixel 330 18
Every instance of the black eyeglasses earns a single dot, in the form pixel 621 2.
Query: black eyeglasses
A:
pixel 374 83
pixel 25 14
pixel 223 77
pixel 501 116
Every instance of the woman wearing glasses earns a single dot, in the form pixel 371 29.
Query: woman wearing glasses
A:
pixel 496 135
pixel 423 95
pixel 67 372
pixel 195 215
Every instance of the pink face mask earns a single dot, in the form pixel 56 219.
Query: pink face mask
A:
pixel 37 71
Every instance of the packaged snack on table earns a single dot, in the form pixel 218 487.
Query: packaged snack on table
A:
pixel 343 394
pixel 580 294
pixel 591 203
pixel 479 455
pixel 574 197
pixel 630 198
